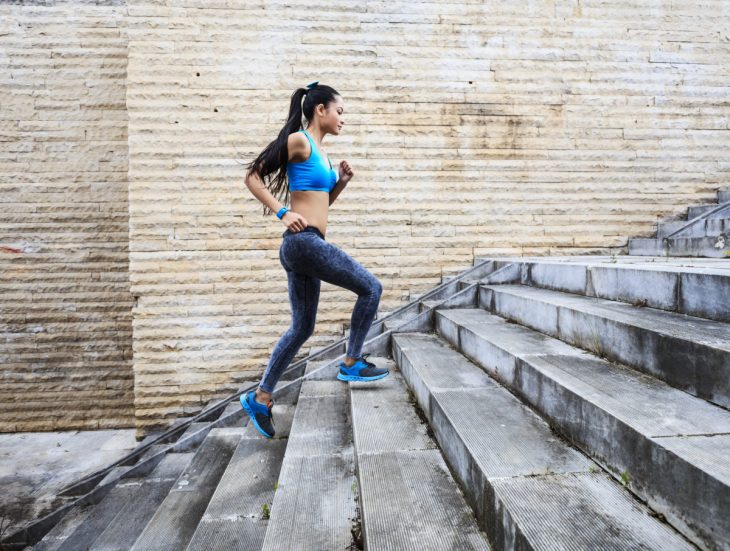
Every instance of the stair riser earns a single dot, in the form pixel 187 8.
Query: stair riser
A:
pixel 693 246
pixel 665 228
pixel 709 247
pixel 695 294
pixel 712 227
pixel 679 490
pixel 693 367
pixel 695 211
pixel 641 246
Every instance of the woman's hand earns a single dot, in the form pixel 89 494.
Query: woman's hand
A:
pixel 346 172
pixel 294 221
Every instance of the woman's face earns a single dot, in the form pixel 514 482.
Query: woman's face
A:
pixel 333 118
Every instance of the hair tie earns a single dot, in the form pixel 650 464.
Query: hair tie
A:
pixel 312 84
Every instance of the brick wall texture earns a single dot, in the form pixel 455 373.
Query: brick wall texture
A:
pixel 474 128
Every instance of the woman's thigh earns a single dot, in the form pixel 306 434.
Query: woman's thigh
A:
pixel 311 255
pixel 304 298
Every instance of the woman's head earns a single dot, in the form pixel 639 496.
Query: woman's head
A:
pixel 324 108
pixel 320 106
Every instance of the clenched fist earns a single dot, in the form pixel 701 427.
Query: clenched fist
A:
pixel 346 172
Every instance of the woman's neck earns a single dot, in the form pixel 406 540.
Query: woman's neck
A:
pixel 316 134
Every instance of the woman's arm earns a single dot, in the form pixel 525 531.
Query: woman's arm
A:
pixel 339 186
pixel 346 174
pixel 262 193
pixel 293 220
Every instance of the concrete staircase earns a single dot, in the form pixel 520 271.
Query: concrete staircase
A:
pixel 705 232
pixel 238 490
pixel 533 403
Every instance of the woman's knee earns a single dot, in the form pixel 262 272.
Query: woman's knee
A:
pixel 375 287
pixel 301 330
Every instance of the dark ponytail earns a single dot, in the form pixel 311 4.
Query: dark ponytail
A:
pixel 274 158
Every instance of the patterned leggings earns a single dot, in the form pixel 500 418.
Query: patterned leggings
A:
pixel 308 258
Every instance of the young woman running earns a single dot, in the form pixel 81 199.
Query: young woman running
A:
pixel 304 253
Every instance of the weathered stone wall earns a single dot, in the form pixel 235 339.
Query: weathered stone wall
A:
pixel 474 128
pixel 65 306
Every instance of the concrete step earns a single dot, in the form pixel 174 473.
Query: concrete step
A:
pixel 647 246
pixel 236 516
pixel 175 521
pixel 228 419
pixel 62 530
pixel 409 498
pixel 529 488
pixel 676 288
pixel 103 515
pixel 723 196
pixel 193 428
pixel 127 525
pixel 709 247
pixel 671 446
pixel 710 227
pixel 84 525
pixel 690 353
pixel 717 226
pixel 697 210
pixel 314 504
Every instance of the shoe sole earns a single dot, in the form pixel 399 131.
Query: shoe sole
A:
pixel 342 377
pixel 251 416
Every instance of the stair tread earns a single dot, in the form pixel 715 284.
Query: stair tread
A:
pixel 527 469
pixel 505 437
pixel 234 516
pixel 698 330
pixel 408 495
pixel 546 506
pixel 175 520
pixel 410 498
pixel 64 528
pixel 384 403
pixel 101 516
pixel 673 444
pixel 643 401
pixel 688 352
pixel 314 504
pixel 134 516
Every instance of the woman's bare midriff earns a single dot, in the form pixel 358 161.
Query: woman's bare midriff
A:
pixel 313 205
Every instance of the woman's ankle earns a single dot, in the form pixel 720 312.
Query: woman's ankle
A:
pixel 261 396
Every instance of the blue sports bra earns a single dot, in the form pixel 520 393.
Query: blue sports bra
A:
pixel 312 174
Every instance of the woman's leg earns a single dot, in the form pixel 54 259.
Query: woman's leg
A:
pixel 317 258
pixel 304 298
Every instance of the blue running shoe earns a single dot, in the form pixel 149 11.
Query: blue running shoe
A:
pixel 260 414
pixel 361 370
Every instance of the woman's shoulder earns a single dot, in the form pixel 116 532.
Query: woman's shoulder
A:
pixel 298 146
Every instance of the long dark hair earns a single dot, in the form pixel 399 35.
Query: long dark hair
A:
pixel 274 158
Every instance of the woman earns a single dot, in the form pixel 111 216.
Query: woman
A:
pixel 304 253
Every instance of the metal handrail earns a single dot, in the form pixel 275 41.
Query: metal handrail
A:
pixel 223 403
pixel 703 216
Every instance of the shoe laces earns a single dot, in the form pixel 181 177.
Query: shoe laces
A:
pixel 365 361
